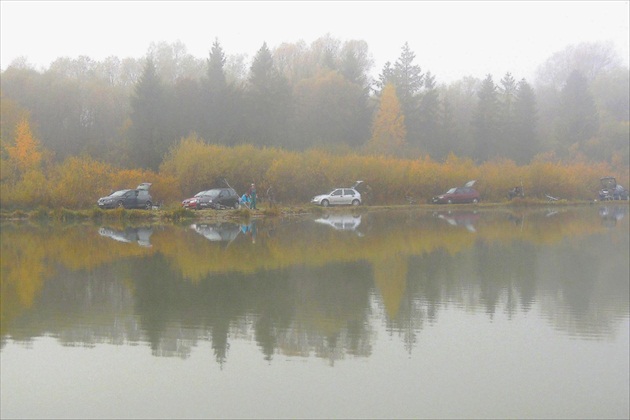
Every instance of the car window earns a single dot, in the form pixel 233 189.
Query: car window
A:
pixel 336 192
pixel 213 193
pixel 348 192
pixel 451 191
pixel 118 193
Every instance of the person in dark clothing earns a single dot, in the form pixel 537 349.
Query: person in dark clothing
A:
pixel 252 197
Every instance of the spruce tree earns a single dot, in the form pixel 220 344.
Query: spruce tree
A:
pixel 147 143
pixel 526 143
pixel 485 121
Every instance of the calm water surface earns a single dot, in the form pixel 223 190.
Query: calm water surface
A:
pixel 410 313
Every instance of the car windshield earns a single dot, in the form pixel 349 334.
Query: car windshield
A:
pixel 118 193
pixel 200 193
pixel 451 191
pixel 212 193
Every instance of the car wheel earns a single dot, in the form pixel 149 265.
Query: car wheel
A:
pixel 148 205
pixel 325 203
pixel 355 202
pixel 236 206
pixel 475 201
pixel 120 205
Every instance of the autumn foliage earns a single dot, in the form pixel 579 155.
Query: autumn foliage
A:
pixel 30 180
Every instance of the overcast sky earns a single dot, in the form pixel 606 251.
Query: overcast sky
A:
pixel 452 39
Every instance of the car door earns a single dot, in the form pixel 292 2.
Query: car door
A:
pixel 232 198
pixel 336 197
pixel 224 198
pixel 131 199
pixel 460 195
pixel 348 195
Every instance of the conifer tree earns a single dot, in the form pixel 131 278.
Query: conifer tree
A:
pixel 409 81
pixel 526 142
pixel 506 124
pixel 428 116
pixel 485 120
pixel 269 98
pixel 147 143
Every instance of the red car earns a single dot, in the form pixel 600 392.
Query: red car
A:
pixel 465 194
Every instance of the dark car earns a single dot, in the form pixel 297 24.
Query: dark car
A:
pixel 465 194
pixel 611 190
pixel 219 198
pixel 216 198
pixel 138 198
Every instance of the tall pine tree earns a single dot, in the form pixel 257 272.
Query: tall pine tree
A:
pixel 485 121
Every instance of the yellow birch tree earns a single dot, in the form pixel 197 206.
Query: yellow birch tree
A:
pixel 26 153
pixel 389 134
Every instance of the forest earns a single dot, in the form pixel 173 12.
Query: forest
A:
pixel 303 117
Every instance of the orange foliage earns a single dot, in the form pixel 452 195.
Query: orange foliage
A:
pixel 26 153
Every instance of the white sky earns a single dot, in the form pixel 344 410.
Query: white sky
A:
pixel 452 39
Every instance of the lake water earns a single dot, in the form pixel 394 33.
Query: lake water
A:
pixel 519 313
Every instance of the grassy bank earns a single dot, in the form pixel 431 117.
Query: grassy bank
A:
pixel 180 214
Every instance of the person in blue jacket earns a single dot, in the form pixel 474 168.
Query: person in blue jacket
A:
pixel 245 201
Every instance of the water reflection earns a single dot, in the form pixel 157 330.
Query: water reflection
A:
pixel 139 235
pixel 299 288
pixel 465 218
pixel 611 215
pixel 341 221
pixel 217 232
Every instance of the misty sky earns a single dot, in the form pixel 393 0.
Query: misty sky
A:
pixel 451 39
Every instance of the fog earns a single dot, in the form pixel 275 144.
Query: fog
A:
pixel 451 39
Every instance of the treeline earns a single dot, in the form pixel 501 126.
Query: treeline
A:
pixel 297 97
pixel 30 178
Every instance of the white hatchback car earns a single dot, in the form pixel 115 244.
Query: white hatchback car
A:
pixel 338 197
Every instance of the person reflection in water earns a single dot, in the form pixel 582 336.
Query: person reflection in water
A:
pixel 250 230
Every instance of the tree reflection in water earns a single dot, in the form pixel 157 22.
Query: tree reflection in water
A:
pixel 300 288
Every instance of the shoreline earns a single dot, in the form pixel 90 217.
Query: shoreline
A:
pixel 177 215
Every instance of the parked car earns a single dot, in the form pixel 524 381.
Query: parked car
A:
pixel 216 198
pixel 338 197
pixel 220 198
pixel 465 194
pixel 611 190
pixel 138 198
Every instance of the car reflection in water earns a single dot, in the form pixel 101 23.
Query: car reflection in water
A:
pixel 141 235
pixel 612 214
pixel 219 232
pixel 465 219
pixel 349 222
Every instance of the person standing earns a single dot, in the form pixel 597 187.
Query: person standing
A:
pixel 252 197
